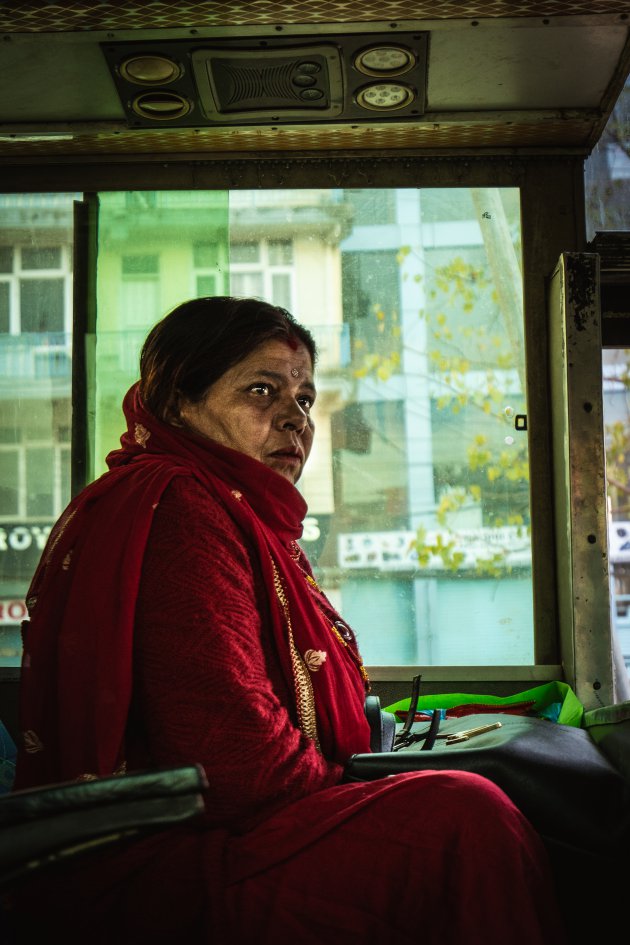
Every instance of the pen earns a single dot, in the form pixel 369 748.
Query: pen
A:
pixel 471 732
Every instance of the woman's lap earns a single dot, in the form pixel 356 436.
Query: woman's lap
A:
pixel 439 857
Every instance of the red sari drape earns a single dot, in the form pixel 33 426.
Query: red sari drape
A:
pixel 437 857
pixel 78 646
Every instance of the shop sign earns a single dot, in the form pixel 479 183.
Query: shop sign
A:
pixel 23 537
pixel 12 611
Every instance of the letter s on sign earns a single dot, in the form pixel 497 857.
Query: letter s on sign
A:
pixel 311 529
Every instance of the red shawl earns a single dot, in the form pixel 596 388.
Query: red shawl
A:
pixel 77 664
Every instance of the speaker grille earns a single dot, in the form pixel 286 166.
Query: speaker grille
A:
pixel 275 85
pixel 242 84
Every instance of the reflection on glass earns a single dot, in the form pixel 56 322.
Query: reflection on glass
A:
pixel 155 250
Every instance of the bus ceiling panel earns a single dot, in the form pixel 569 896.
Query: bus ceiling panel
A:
pixel 145 80
pixel 523 67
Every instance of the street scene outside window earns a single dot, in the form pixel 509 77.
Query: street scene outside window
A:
pixel 418 486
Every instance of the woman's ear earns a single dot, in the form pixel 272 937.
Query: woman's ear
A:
pixel 176 411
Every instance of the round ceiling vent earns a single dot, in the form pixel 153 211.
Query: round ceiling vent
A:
pixel 150 70
pixel 161 106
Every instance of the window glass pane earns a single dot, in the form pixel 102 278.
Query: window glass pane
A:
pixel 48 257
pixel 417 487
pixel 42 305
pixel 607 205
pixel 143 271
pixel 36 231
pixel 429 489
pixel 607 173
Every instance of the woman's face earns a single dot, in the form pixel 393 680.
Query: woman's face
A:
pixel 261 407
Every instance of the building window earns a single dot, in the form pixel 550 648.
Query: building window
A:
pixel 263 270
pixel 139 289
pixel 34 477
pixel 35 289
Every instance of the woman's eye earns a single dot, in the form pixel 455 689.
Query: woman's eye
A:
pixel 305 402
pixel 263 389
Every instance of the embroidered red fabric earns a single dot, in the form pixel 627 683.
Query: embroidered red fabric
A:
pixel 77 667
pixel 286 853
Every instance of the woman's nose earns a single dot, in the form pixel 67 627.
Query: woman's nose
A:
pixel 292 417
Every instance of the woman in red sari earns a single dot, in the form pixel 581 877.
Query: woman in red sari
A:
pixel 174 619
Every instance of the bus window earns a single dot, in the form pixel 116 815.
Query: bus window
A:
pixel 36 235
pixel 418 486
pixel 607 205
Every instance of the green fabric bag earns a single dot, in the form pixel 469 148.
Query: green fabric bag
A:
pixel 609 727
pixel 555 701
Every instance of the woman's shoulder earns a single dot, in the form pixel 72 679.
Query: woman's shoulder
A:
pixel 192 530
pixel 186 497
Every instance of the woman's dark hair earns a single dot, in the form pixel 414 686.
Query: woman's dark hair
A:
pixel 199 340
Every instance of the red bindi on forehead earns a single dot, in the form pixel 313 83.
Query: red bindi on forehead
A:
pixel 293 342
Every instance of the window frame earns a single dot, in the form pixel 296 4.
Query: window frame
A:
pixel 552 215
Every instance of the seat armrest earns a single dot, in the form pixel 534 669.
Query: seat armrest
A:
pixel 42 826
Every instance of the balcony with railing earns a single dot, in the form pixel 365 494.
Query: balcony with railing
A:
pixel 35 357
pixel 39 360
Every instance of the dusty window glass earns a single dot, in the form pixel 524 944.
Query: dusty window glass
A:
pixel 607 173
pixel 417 487
pixel 36 235
pixel 607 205
pixel 418 522
pixel 175 250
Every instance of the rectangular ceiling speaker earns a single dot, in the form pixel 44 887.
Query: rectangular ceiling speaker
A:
pixel 244 84
pixel 371 77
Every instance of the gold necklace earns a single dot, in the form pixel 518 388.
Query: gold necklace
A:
pixel 311 583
